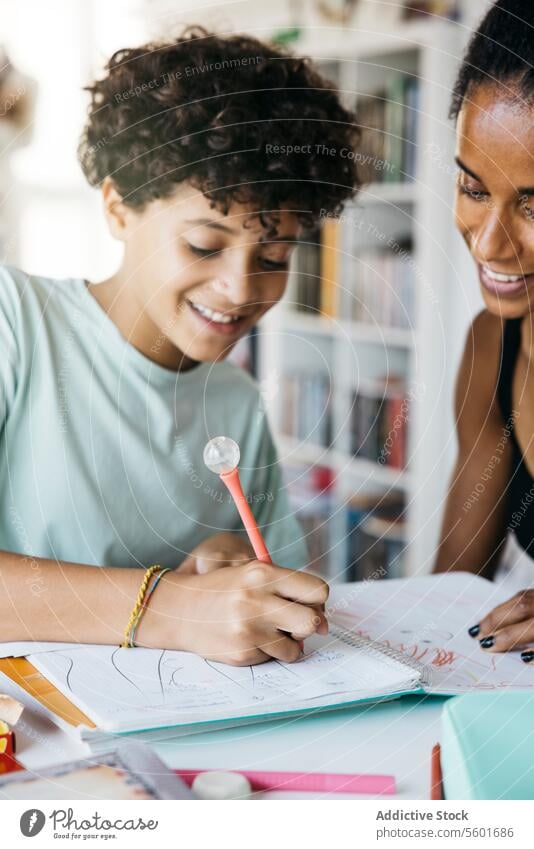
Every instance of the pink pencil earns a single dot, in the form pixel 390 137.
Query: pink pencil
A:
pixel 309 782
pixel 221 456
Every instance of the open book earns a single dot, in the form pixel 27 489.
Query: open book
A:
pixel 387 638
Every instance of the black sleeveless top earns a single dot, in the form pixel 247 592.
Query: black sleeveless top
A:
pixel 520 494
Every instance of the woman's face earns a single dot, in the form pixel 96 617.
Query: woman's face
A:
pixel 494 205
pixel 201 279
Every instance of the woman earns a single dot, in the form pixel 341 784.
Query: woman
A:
pixel 492 490
pixel 109 392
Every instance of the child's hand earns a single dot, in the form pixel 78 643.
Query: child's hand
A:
pixel 242 614
pixel 508 626
pixel 225 549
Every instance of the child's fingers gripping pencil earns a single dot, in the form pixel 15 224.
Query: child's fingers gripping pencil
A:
pixel 221 456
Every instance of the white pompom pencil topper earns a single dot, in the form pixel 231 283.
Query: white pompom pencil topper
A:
pixel 221 456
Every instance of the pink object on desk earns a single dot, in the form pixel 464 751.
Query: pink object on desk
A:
pixel 310 782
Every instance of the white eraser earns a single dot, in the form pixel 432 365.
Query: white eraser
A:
pixel 221 785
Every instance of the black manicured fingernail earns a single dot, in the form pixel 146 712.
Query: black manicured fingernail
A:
pixel 487 642
pixel 527 656
pixel 474 631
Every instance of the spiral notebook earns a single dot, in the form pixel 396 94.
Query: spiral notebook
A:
pixel 155 693
pixel 386 639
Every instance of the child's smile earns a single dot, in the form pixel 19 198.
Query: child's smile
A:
pixel 193 280
pixel 219 321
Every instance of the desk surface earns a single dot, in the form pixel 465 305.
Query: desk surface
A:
pixel 394 738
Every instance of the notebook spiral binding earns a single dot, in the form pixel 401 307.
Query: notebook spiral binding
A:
pixel 373 647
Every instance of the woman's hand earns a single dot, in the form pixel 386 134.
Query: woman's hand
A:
pixel 242 614
pixel 509 626
pixel 224 549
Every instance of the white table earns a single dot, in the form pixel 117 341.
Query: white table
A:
pixel 393 738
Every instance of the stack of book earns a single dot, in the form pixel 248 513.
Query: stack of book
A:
pixel 383 287
pixel 310 494
pixel 376 537
pixel 305 407
pixel 379 416
pixel 380 287
pixel 388 120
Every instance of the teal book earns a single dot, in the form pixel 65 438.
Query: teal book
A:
pixel 487 748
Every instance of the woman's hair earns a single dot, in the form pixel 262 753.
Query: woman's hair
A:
pixel 501 52
pixel 242 121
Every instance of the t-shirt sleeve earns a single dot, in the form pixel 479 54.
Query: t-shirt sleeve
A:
pixel 279 526
pixel 8 346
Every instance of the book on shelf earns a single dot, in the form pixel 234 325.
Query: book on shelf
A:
pixel 329 267
pixel 378 281
pixel 307 286
pixel 412 107
pixel 317 275
pixel 382 286
pixel 305 407
pixel 376 536
pixel 388 121
pixel 413 9
pixel 363 539
pixel 310 491
pixel 379 417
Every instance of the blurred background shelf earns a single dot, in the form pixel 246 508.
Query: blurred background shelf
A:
pixel 293 450
pixel 374 334
pixel 362 350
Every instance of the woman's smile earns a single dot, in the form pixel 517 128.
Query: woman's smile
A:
pixel 503 285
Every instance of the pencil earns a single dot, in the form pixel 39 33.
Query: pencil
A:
pixel 436 777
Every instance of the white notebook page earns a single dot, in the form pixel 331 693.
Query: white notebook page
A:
pixel 139 687
pixel 426 619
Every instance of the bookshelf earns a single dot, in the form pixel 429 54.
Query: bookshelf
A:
pixel 362 354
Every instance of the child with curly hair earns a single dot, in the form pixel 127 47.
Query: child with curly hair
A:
pixel 212 155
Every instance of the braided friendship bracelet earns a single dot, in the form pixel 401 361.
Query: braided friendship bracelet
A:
pixel 138 607
pixel 145 604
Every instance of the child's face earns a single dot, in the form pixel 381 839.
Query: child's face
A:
pixel 203 279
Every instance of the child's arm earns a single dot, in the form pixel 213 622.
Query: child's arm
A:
pixel 240 614
pixel 64 602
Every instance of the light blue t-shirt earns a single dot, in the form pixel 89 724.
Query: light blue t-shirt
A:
pixel 101 448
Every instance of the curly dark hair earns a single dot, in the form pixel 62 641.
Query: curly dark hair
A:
pixel 240 120
pixel 501 51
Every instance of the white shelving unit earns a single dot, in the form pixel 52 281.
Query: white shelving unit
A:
pixel 350 352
